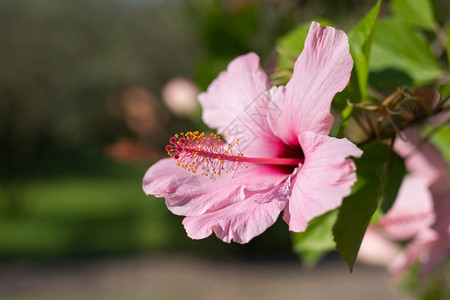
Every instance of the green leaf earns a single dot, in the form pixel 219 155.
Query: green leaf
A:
pixel 345 115
pixel 317 240
pixel 291 45
pixel 209 68
pixel 444 89
pixel 441 140
pixel 415 12
pixel 357 209
pixel 395 170
pixel 353 219
pixel 360 39
pixel 397 48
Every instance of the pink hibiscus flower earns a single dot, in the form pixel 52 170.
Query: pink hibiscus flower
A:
pixel 420 213
pixel 432 243
pixel 277 147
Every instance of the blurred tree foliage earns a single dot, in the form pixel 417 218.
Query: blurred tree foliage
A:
pixel 61 61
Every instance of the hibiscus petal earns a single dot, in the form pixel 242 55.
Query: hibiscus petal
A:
pixel 412 211
pixel 324 179
pixel 241 221
pixel 421 156
pixel 189 194
pixel 376 249
pixel 440 191
pixel 238 104
pixel 439 250
pixel 417 250
pixel 322 70
pixel 431 245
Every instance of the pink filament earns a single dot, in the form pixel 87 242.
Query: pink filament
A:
pixel 194 151
pixel 282 161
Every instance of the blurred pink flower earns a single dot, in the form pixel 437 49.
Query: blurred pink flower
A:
pixel 290 162
pixel 180 96
pixel 421 212
pixel 411 216
pixel 433 243
pixel 140 111
pixel 376 249
pixel 125 150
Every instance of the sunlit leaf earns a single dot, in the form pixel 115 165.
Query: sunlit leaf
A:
pixel 415 12
pixel 360 39
pixel 398 49
pixel 444 89
pixel 441 140
pixel 291 45
pixel 317 240
pixel 345 114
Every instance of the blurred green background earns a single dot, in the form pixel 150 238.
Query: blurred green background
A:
pixel 82 116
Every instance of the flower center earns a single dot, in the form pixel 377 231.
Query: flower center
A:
pixel 196 151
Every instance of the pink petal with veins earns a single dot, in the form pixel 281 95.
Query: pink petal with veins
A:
pixel 322 70
pixel 323 181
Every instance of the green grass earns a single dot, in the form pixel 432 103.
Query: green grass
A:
pixel 83 215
